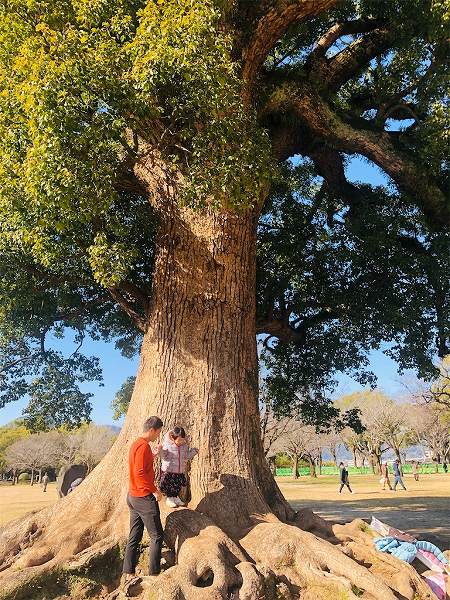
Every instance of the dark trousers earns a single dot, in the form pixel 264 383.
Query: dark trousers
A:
pixel 144 511
pixel 398 480
pixel 342 485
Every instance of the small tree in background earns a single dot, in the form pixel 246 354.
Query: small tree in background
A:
pixel 431 428
pixel 9 434
pixel 96 440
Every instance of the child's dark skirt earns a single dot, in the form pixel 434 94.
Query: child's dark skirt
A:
pixel 171 483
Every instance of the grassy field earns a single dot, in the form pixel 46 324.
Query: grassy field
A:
pixel 423 509
pixel 17 500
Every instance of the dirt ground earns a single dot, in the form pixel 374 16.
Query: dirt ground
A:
pixel 423 510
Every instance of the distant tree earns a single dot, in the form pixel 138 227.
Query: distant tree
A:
pixel 122 398
pixel 300 442
pixel 331 441
pixel 24 455
pixel 436 391
pixel 9 434
pixel 390 422
pixel 96 440
pixel 431 428
pixel 372 442
pixel 272 426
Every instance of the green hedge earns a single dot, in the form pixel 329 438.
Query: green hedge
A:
pixel 327 470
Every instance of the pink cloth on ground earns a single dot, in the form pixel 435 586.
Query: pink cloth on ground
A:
pixel 437 584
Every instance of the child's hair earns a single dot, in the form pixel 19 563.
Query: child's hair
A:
pixel 177 432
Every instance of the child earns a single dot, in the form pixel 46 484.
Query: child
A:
pixel 344 478
pixel 174 454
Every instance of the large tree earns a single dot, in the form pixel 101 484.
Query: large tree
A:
pixel 145 147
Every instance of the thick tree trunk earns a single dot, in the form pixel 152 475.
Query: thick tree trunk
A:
pixel 199 362
pixel 199 369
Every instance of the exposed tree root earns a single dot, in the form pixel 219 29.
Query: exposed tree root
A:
pixel 309 559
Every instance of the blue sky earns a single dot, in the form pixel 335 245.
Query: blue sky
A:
pixel 116 368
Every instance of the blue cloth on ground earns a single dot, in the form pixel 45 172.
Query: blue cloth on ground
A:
pixel 407 551
pixel 429 547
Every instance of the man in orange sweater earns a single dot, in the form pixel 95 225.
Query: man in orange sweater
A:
pixel 142 500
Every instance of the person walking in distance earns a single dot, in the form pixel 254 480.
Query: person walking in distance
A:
pixel 44 482
pixel 344 478
pixel 415 470
pixel 398 475
pixel 385 476
pixel 142 499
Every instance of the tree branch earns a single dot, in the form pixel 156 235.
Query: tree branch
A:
pixel 339 30
pixel 316 125
pixel 288 332
pixel 271 28
pixel 128 308
pixel 349 62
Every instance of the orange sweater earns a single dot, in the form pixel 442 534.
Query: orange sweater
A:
pixel 140 463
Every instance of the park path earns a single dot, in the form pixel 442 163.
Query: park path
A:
pixel 423 510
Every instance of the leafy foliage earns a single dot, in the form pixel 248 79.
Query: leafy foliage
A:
pixel 87 86
pixel 122 399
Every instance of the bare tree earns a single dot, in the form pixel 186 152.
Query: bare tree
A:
pixel 390 423
pixel 300 441
pixel 356 443
pixel 331 441
pixel 430 425
pixel 434 392
pixel 96 441
pixel 69 445
pixel 24 455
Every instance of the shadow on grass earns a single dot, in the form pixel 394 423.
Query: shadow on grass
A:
pixel 424 517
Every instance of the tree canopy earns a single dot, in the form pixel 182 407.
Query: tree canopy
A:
pixel 237 98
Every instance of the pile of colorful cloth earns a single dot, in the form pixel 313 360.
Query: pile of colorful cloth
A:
pixel 406 548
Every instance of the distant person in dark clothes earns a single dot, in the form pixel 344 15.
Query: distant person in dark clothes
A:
pixel 444 466
pixel 143 497
pixel 398 475
pixel 344 478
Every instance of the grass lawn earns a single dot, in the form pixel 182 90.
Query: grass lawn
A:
pixel 17 500
pixel 423 510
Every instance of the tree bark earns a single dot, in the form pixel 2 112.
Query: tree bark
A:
pixel 199 361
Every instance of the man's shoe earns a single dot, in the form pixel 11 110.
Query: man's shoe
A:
pixel 171 502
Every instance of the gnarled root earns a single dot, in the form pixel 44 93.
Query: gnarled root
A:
pixel 311 563
pixel 357 543
pixel 270 561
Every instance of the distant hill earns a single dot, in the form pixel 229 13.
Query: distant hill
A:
pixel 115 428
